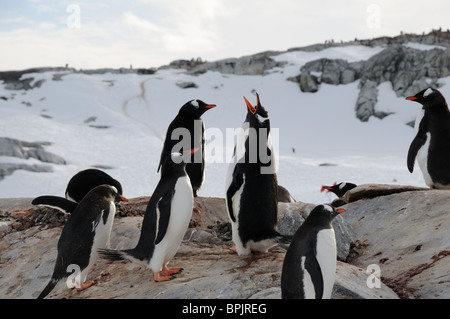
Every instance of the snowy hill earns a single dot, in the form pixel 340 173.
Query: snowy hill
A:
pixel 117 120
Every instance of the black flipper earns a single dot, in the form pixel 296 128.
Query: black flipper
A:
pixel 164 205
pixel 416 144
pixel 313 268
pixel 236 183
pixel 57 202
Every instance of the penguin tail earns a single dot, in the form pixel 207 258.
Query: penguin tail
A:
pixel 283 241
pixel 52 283
pixel 111 254
pixel 128 254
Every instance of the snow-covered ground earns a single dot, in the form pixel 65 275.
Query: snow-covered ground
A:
pixel 310 129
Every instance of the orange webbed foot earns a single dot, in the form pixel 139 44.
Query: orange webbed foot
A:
pixel 85 285
pixel 158 277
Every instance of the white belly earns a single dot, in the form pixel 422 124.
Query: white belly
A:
pixel 101 238
pixel 180 215
pixel 422 160
pixel 326 256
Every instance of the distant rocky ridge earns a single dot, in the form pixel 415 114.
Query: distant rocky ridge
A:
pixel 409 70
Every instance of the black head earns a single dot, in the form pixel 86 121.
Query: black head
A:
pixel 257 115
pixel 431 99
pixel 84 181
pixel 108 192
pixel 176 162
pixel 196 108
pixel 339 189
pixel 323 215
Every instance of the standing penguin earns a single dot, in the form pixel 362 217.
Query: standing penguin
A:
pixel 251 186
pixel 165 221
pixel 87 229
pixel 189 118
pixel 309 267
pixel 79 185
pixel 431 145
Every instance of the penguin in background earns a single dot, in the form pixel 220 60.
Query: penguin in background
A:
pixel 251 185
pixel 309 267
pixel 165 221
pixel 87 229
pixel 79 185
pixel 339 189
pixel 431 144
pixel 188 118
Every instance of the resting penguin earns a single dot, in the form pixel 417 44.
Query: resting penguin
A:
pixel 251 185
pixel 309 267
pixel 431 145
pixel 188 121
pixel 165 221
pixel 87 229
pixel 79 185
pixel 82 182
pixel 339 189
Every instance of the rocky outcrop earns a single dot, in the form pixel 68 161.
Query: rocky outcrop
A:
pixel 405 235
pixel 24 150
pixel 211 270
pixel 255 64
pixel 407 69
pixel 399 248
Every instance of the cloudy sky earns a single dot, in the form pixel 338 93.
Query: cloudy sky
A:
pixel 151 33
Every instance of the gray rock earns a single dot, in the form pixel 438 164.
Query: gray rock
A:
pixel 308 82
pixel 24 150
pixel 187 85
pixel 366 101
pixel 407 236
pixel 292 215
pixel 211 270
pixel 255 64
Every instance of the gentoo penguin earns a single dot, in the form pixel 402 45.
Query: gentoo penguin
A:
pixel 87 229
pixel 79 185
pixel 165 221
pixel 82 182
pixel 309 267
pixel 188 118
pixel 339 189
pixel 431 145
pixel 251 185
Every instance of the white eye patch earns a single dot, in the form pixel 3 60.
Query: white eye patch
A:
pixel 195 104
pixel 427 92
pixel 261 119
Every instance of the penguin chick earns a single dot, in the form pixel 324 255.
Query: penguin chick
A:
pixel 165 221
pixel 431 144
pixel 87 229
pixel 309 267
pixel 188 118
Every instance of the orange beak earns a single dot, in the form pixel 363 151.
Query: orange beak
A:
pixel 340 211
pixel 210 106
pixel 411 98
pixel 250 106
pixel 123 199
